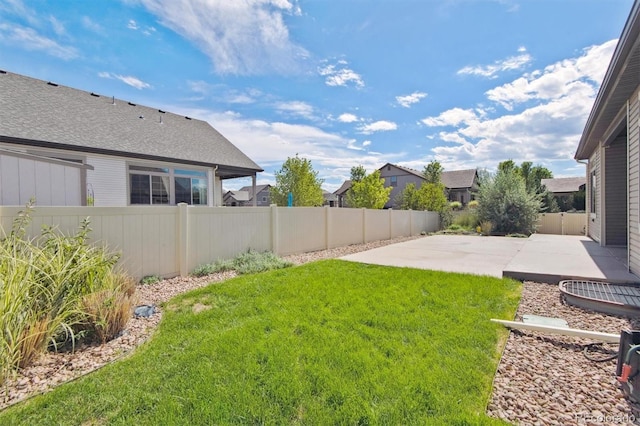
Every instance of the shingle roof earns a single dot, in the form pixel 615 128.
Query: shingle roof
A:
pixel 238 195
pixel 569 184
pixel 249 189
pixel 406 169
pixel 455 179
pixel 343 188
pixel 35 112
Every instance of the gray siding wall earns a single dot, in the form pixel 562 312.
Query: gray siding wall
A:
pixel 595 217
pixel 403 179
pixel 633 138
pixel 107 181
pixel 615 192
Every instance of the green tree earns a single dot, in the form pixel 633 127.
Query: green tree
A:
pixel 433 172
pixel 532 177
pixel 368 192
pixel 505 202
pixel 298 178
pixel 358 173
pixel 408 198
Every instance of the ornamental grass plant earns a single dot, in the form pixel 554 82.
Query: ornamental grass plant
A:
pixel 54 290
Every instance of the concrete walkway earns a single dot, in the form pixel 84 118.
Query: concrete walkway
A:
pixel 545 258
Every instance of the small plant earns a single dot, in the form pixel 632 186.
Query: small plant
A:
pixel 486 227
pixel 150 279
pixel 455 205
pixel 473 204
pixel 455 227
pixel 467 219
pixel 245 263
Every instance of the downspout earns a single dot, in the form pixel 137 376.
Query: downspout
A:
pixel 628 195
pixel 213 201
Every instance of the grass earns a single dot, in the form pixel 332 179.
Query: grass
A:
pixel 330 342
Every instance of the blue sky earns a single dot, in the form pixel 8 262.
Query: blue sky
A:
pixel 343 83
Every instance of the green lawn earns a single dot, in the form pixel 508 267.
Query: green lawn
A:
pixel 330 342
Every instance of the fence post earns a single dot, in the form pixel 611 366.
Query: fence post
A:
pixel 561 223
pixel 390 224
pixel 364 226
pixel 183 238
pixel 274 228
pixel 327 227
pixel 410 223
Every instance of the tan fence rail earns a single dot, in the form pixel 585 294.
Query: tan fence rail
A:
pixel 174 240
pixel 562 223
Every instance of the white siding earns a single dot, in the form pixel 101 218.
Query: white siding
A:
pixel 107 180
pixel 594 226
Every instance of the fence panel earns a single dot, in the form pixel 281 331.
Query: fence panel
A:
pixel 400 223
pixel 424 222
pixel 345 226
pixel 377 224
pixel 222 233
pixel 562 223
pixel 300 229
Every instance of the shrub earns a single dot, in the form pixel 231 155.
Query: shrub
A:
pixel 150 279
pixel 43 285
pixel 248 262
pixel 455 205
pixel 505 202
pixel 473 204
pixel 486 227
pixel 467 219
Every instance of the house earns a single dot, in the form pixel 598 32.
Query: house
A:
pixel 566 191
pixel 330 199
pixel 341 193
pixel 610 145
pixel 70 147
pixel 244 196
pixel 462 185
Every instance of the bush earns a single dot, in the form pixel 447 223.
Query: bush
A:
pixel 246 263
pixel 455 205
pixel 467 219
pixel 505 202
pixel 473 204
pixel 150 279
pixel 43 285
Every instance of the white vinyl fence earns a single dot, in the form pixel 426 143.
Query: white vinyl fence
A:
pixel 174 240
pixel 562 223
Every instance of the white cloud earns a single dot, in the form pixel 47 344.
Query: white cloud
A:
pixel 347 118
pixel 58 27
pixel 133 25
pixel 511 63
pixel 553 105
pixel 378 126
pixel 240 37
pixel 126 79
pixel 298 108
pixel 29 39
pixel 408 100
pixel 91 25
pixel 340 75
pixel 452 117
pixel 556 80
pixel 366 143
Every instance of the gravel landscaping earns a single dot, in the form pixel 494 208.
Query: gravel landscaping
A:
pixel 541 379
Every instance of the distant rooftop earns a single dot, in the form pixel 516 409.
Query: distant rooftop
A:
pixel 568 184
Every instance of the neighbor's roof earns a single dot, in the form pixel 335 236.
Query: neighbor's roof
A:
pixel 36 113
pixel 456 179
pixel 238 195
pixel 259 188
pixel 346 185
pixel 618 85
pixel 405 169
pixel 568 184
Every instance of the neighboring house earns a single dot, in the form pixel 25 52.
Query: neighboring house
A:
pixel 244 196
pixel 341 193
pixel 235 198
pixel 610 142
pixel 65 146
pixel 565 189
pixel 462 185
pixel 330 199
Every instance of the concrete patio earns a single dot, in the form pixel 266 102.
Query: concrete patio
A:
pixel 543 258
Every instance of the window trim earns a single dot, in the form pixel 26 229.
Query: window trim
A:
pixel 171 172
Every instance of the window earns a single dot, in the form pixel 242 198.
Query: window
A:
pixel 592 193
pixel 264 198
pixel 160 185
pixel 394 180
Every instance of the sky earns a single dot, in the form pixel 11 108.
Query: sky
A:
pixel 469 83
